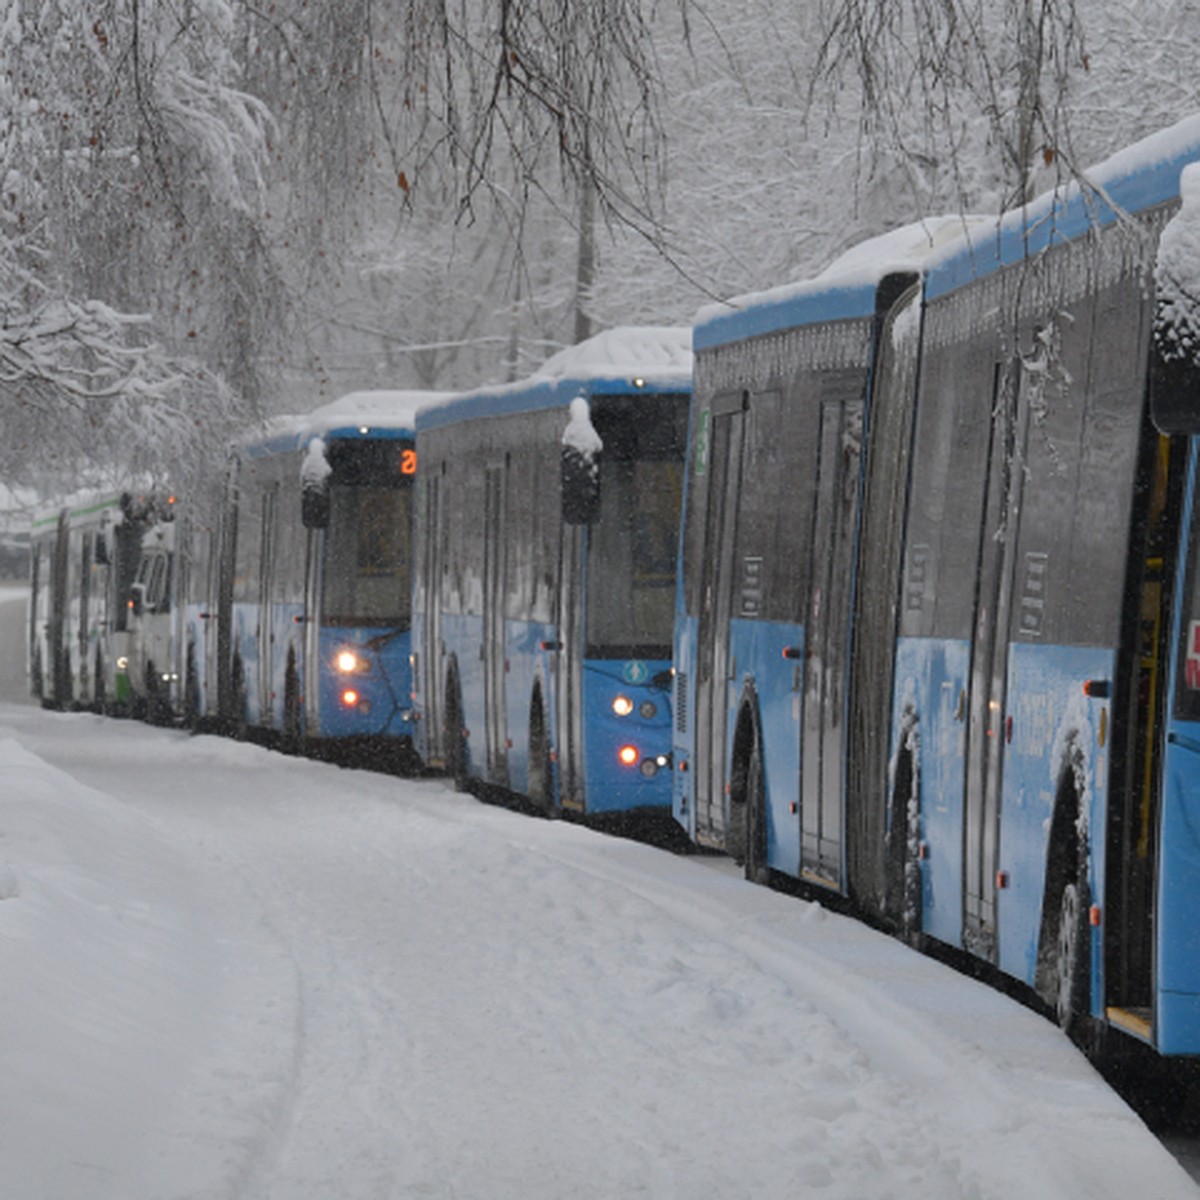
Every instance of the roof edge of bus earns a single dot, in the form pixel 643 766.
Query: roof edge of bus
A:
pixel 362 414
pixel 845 290
pixel 627 360
pixel 86 502
pixel 1136 179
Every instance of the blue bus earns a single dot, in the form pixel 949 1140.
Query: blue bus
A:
pixel 547 542
pixel 313 594
pixel 937 627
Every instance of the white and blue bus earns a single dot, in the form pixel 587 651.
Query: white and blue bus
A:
pixel 547 542
pixel 313 600
pixel 105 612
pixel 938 627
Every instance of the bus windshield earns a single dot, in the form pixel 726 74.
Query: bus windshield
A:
pixel 368 545
pixel 633 544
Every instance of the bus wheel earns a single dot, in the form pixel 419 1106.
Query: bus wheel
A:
pixel 541 780
pixel 238 723
pixel 191 689
pixel 100 696
pixel 158 710
pixel 1071 956
pixel 291 707
pixel 757 870
pixel 903 866
pixel 455 737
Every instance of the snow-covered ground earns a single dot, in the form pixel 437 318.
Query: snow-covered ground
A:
pixel 225 973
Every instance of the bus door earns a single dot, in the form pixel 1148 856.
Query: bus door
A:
pixel 827 637
pixel 985 702
pixel 1132 872
pixel 494 658
pixel 431 678
pixel 569 689
pixel 714 666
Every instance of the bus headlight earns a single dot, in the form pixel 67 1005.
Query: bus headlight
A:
pixel 649 710
pixel 628 756
pixel 622 706
pixel 346 662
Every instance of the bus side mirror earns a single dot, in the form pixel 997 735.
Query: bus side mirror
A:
pixel 314 508
pixel 1174 391
pixel 137 599
pixel 1175 353
pixel 580 488
pixel 314 486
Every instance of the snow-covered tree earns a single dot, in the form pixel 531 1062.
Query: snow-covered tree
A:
pixel 131 280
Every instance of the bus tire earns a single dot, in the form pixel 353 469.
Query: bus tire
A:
pixel 292 733
pixel 756 867
pixel 191 689
pixel 903 870
pixel 455 736
pixel 157 709
pixel 541 778
pixel 238 722
pixel 1071 956
pixel 99 692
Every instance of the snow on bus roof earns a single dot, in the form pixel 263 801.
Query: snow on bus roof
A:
pixel 1136 179
pixel 356 414
pixel 652 352
pixel 623 361
pixel 843 290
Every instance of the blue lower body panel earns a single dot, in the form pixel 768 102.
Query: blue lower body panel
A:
pixel 382 687
pixel 611 785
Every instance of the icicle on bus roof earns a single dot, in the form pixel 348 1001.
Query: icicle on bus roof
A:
pixel 623 361
pixel 842 291
pixel 1139 178
pixel 954 250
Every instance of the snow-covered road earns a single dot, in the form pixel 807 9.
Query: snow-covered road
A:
pixel 231 974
